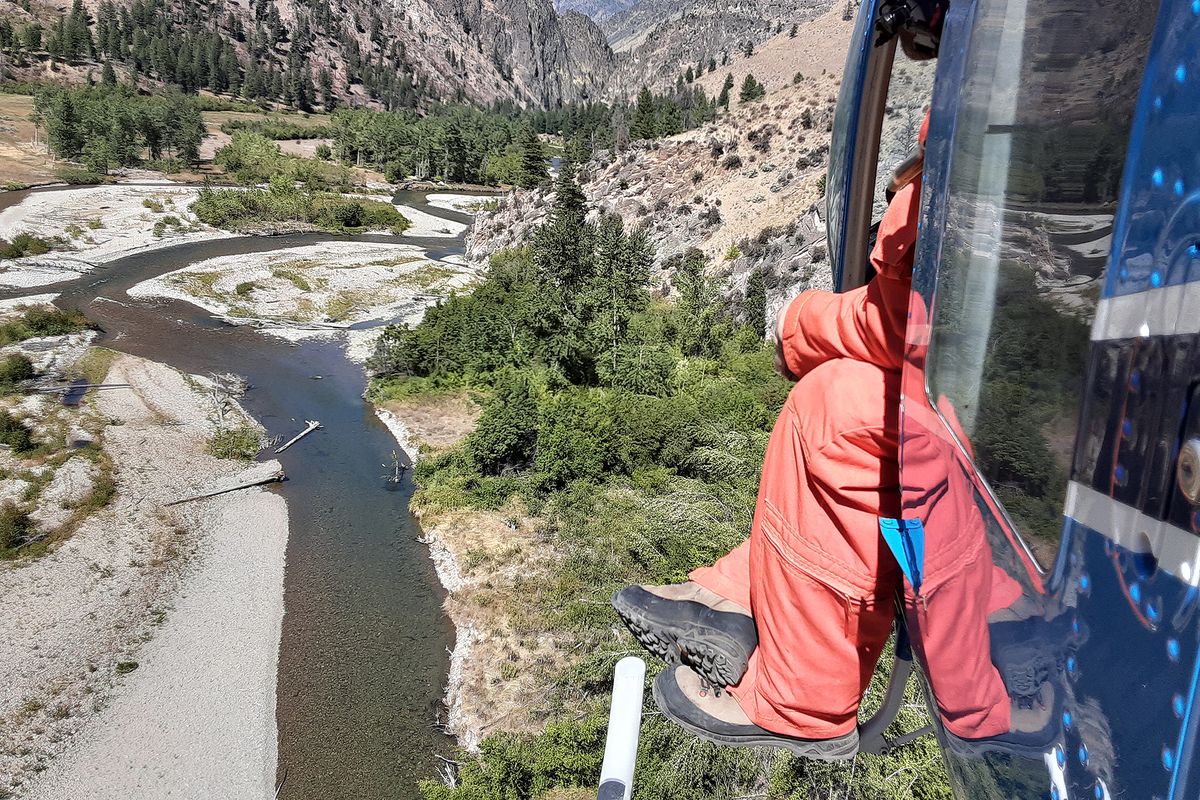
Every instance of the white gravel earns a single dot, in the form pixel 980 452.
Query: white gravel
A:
pixel 465 203
pixel 424 224
pixel 192 594
pixel 126 226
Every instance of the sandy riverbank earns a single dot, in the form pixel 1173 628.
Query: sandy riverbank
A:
pixel 97 224
pixel 319 289
pixel 483 559
pixel 143 662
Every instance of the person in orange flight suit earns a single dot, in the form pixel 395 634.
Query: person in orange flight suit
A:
pixel 816 573
pixel 815 570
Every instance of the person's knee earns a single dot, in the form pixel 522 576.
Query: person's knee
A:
pixel 843 395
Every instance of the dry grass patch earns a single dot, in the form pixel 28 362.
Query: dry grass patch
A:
pixel 437 421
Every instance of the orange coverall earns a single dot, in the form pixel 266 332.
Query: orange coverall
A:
pixel 815 572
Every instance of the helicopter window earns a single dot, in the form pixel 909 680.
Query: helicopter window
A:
pixel 909 90
pixel 1044 116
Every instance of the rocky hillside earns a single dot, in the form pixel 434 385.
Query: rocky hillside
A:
pixel 657 40
pixel 404 55
pixel 597 10
pixel 748 189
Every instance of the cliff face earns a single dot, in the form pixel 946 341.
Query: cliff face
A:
pixel 598 10
pixel 544 59
pixel 402 52
pixel 657 40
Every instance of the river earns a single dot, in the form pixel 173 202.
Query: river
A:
pixel 364 653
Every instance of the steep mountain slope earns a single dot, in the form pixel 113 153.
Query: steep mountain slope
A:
pixel 746 190
pixel 388 55
pixel 598 10
pixel 659 39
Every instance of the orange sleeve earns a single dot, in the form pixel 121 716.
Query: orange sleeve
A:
pixel 865 324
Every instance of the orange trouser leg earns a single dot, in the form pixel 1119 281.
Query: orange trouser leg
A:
pixel 819 579
pixel 729 577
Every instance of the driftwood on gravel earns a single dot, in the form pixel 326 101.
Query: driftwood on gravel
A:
pixel 257 475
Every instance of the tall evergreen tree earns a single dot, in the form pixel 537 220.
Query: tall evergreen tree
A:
pixel 751 90
pixel 645 116
pixel 726 88
pixel 533 171
pixel 564 262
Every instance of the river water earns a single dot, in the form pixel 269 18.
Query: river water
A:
pixel 364 654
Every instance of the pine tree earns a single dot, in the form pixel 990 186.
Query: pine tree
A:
pixel 645 117
pixel 751 90
pixel 325 81
pixel 726 88
pixel 108 75
pixel 690 76
pixel 795 30
pixel 533 171
pixel 563 258
pixel 62 126
pixel 79 38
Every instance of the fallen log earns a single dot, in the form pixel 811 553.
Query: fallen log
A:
pixel 312 426
pixel 258 475
pixel 82 386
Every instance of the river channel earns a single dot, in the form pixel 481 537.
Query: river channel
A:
pixel 364 654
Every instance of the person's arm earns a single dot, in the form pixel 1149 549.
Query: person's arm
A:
pixel 866 324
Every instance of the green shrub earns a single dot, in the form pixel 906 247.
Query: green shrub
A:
pixel 154 204
pixel 244 289
pixel 15 529
pixel 14 434
pixel 209 103
pixel 243 442
pixel 323 151
pixel 277 128
pixel 170 166
pixel 76 176
pixel 14 369
pixel 42 321
pixel 504 436
pixel 23 244
pixel 282 203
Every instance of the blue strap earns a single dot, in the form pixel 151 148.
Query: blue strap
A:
pixel 906 539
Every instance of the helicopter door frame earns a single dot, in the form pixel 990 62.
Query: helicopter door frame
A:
pixel 854 157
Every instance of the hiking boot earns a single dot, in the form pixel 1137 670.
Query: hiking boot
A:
pixel 697 707
pixel 1034 728
pixel 684 623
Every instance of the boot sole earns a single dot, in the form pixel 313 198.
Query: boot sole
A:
pixel 843 748
pixel 718 657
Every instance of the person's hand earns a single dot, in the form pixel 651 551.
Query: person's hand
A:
pixel 781 365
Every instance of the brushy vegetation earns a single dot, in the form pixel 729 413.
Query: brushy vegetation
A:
pixel 283 204
pixel 634 431
pixel 16 529
pixel 252 158
pixel 80 176
pixel 277 128
pixel 15 435
pixel 15 369
pixel 242 442
pixel 24 244
pixel 42 321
